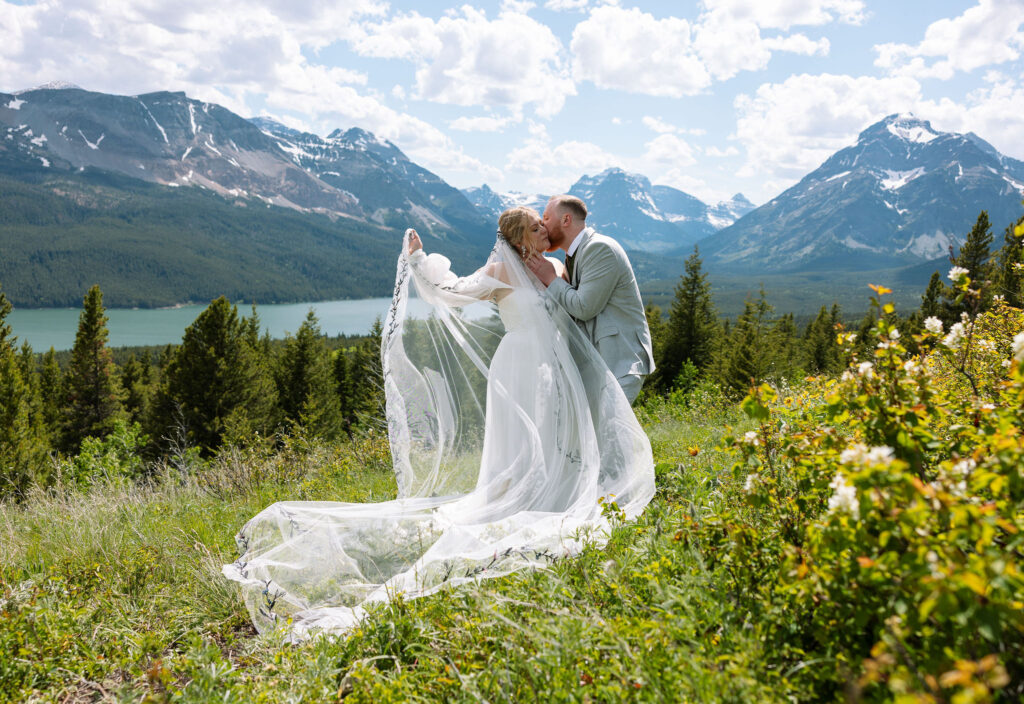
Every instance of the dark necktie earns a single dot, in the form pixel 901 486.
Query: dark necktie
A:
pixel 568 266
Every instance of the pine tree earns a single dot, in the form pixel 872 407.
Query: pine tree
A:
pixel 821 348
pixel 366 375
pixel 305 381
pixel 51 393
pixel 1009 266
pixel 213 388
pixel 692 325
pixel 931 301
pixel 93 401
pixel 136 380
pixel 975 255
pixel 751 348
pixel 22 446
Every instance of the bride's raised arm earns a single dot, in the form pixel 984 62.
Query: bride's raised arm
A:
pixel 437 283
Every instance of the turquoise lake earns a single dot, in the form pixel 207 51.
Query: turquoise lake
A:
pixel 55 327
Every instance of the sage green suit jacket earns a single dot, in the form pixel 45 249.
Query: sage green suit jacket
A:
pixel 604 298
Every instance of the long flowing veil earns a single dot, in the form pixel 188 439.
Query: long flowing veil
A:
pixel 508 434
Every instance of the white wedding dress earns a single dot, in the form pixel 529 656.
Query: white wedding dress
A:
pixel 506 434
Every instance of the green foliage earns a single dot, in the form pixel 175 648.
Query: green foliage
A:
pixel 22 441
pixel 115 456
pixel 214 387
pixel 1009 265
pixel 93 395
pixel 305 382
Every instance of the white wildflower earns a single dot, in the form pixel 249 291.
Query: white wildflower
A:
pixel 751 438
pixel 911 366
pixel 988 406
pixel 956 272
pixel 866 369
pixel 933 325
pixel 1005 363
pixel 844 497
pixel 880 455
pixel 854 454
pixel 963 468
pixel 987 345
pixel 847 375
pixel 999 298
pixel 1018 347
pixel 748 486
pixel 955 336
pixel 894 334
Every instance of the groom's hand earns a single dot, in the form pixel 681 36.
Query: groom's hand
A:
pixel 414 241
pixel 542 268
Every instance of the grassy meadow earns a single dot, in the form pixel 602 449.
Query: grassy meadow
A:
pixel 853 538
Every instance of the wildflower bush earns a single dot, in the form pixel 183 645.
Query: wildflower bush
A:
pixel 881 526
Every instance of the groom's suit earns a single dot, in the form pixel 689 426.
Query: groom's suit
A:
pixel 602 295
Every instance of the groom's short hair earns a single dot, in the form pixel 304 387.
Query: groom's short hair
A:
pixel 573 204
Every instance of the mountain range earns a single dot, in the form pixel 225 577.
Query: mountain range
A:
pixel 162 199
pixel 903 194
pixel 642 217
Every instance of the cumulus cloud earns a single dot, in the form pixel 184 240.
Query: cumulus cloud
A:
pixel 464 58
pixel 656 124
pixel 481 124
pixel 721 153
pixel 783 15
pixel 669 150
pixel 991 32
pixel 631 50
pixel 564 5
pixel 634 51
pixel 553 168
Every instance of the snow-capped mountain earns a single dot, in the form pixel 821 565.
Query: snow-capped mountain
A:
pixel 903 194
pixel 626 206
pixel 172 140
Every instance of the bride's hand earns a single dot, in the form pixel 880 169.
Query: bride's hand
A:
pixel 414 241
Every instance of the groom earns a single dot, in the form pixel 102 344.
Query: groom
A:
pixel 601 292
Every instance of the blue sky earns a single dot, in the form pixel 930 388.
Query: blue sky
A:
pixel 713 97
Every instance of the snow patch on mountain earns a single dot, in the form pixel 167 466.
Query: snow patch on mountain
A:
pixel 895 180
pixel 15 104
pixel 910 129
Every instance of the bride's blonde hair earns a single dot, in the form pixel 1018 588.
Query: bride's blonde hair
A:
pixel 514 225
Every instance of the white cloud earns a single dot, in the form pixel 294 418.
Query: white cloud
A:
pixel 783 14
pixel 553 168
pixel 678 178
pixel 721 153
pixel 517 6
pixel 631 50
pixel 564 5
pixel 656 124
pixel 994 112
pixel 464 58
pixel 669 150
pixel 481 124
pixel 989 33
pixel 790 128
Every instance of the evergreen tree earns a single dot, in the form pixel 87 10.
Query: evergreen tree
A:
pixel 1009 266
pixel 51 393
pixel 788 349
pixel 305 381
pixel 93 400
pixel 136 380
pixel 343 388
pixel 692 325
pixel 931 301
pixel 22 447
pixel 659 329
pixel 975 255
pixel 213 387
pixel 821 348
pixel 367 379
pixel 749 354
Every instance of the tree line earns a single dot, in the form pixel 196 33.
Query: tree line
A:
pixel 225 383
pixel 695 344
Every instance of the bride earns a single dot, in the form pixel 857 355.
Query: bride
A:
pixel 510 438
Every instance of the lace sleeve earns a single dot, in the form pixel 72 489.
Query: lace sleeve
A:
pixel 436 283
